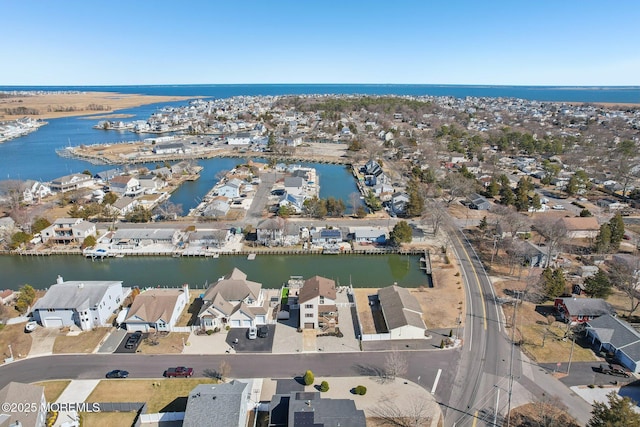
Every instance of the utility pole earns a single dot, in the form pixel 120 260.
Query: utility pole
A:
pixel 573 343
pixel 513 344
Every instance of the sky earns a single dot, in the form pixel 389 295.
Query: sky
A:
pixel 115 42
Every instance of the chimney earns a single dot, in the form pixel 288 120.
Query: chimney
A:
pixel 59 279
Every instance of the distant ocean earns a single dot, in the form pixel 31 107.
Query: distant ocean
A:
pixel 610 94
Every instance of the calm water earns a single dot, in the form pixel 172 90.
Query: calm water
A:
pixel 270 270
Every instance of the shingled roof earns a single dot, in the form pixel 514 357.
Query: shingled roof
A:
pixel 317 286
pixel 400 308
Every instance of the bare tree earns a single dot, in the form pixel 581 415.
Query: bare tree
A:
pixel 623 275
pixel 457 186
pixel 354 202
pixel 435 214
pixel 395 364
pixel 414 413
pixel 168 210
pixel 511 221
pixel 224 369
pixel 554 232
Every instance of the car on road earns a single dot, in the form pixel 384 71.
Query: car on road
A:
pixel 263 331
pixel 252 333
pixel 133 340
pixel 613 369
pixel 180 371
pixel 558 207
pixel 117 373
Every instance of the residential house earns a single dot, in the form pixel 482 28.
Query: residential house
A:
pixel 33 191
pixel 209 238
pixel 151 183
pixel 369 234
pixel 402 313
pixel 67 231
pixel 157 309
pixel 611 205
pixel 7 296
pixel 384 192
pixel 234 301
pixel 478 202
pixel 108 175
pixel 373 174
pixel 224 404
pixel 537 256
pixel 230 189
pixel 310 409
pixel 581 227
pixel 125 205
pixel 292 201
pixel 243 138
pixel 164 172
pixel 317 300
pixel 271 231
pixel 130 238
pixel 399 202
pixel 294 185
pixel 125 185
pixel 85 304
pixel 23 405
pixel 218 208
pixel 171 148
pixel 324 236
pixel 71 182
pixel 580 310
pixel 617 337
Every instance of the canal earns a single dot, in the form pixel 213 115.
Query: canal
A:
pixel 270 270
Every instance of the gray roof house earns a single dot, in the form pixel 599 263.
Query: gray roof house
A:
pixel 617 337
pixel 20 394
pixel 300 409
pixel 402 313
pixel 85 304
pixel 218 405
pixel 476 201
pixel 580 310
pixel 271 231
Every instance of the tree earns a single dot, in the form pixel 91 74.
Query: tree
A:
pixel 623 276
pixel 553 282
pixel 308 378
pixel 554 231
pixel 25 298
pixel 616 224
pixel 372 201
pixel 618 412
pixel 415 413
pixel 224 369
pixel 39 224
pixel 334 207
pixel 401 233
pixel 109 198
pixel 168 210
pixel 415 205
pixel 18 239
pixel 585 213
pixel 457 186
pixel 598 285
pixel 494 188
pixel 139 214
pixel 483 224
pixel 395 365
pixel 315 207
pixel 271 144
pixel 89 242
pixel 603 239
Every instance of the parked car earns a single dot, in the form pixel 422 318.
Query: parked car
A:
pixel 613 369
pixel 252 333
pixel 179 371
pixel 31 326
pixel 133 340
pixel 263 331
pixel 558 207
pixel 117 373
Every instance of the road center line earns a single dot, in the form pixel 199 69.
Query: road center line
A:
pixel 484 308
pixel 435 383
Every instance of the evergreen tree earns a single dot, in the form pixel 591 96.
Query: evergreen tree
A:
pixel 506 196
pixel 616 224
pixel 553 282
pixel 493 189
pixel 401 233
pixel 416 201
pixel 535 202
pixel 522 199
pixel 598 285
pixel 483 223
pixel 603 239
pixel 618 412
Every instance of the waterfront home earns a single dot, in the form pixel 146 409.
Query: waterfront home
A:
pixel 85 304
pixel 299 408
pixel 224 404
pixel 7 296
pixel 34 191
pixel 317 300
pixel 294 185
pixel 109 174
pixel 579 310
pixel 581 227
pixel 125 185
pixel 209 238
pixel 71 182
pixel 292 201
pixel 243 138
pixel 124 205
pixel 151 183
pixel 617 337
pixel 157 309
pixel 323 236
pixel 373 174
pixel 369 234
pixel 164 172
pixel 131 238
pixel 399 202
pixel 230 189
pixel 402 313
pixel 218 208
pixel 170 148
pixel 28 396
pixel 270 231
pixel 66 231
pixel 233 301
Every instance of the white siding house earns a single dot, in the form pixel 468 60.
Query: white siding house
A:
pixel 402 313
pixel 317 300
pixel 157 309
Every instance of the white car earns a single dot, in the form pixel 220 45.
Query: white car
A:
pixel 252 333
pixel 558 207
pixel 30 326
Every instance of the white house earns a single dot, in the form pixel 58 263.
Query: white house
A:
pixel 294 185
pixel 402 313
pixel 243 138
pixel 271 231
pixel 151 183
pixel 171 148
pixel 68 230
pixel 125 185
pixel 71 182
pixel 369 234
pixel 157 309
pixel 293 201
pixel 317 300
pixel 233 301
pixel 85 304
pixel 230 189
pixel 34 191
pixel 124 205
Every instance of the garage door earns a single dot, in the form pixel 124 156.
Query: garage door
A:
pixel 246 323
pixel 261 320
pixel 235 324
pixel 137 327
pixel 309 325
pixel 53 322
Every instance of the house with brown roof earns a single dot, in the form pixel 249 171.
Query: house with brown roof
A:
pixel 7 296
pixel 402 313
pixel 157 309
pixel 317 300
pixel 27 396
pixel 233 301
pixel 581 227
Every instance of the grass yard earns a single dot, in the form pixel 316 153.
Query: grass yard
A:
pixel 85 342
pixel 164 344
pixel 107 419
pixel 19 340
pixel 53 389
pixel 165 395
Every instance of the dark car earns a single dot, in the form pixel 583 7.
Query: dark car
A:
pixel 179 371
pixel 117 374
pixel 263 331
pixel 133 340
pixel 613 369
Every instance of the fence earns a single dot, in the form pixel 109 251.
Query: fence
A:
pixel 185 328
pixel 375 337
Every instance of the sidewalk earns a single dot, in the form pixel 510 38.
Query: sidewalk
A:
pixel 76 392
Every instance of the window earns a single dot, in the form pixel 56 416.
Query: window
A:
pixel 321 300
pixel 308 306
pixel 308 315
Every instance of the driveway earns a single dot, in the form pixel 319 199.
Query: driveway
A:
pixel 114 340
pixel 121 347
pixel 42 341
pixel 245 345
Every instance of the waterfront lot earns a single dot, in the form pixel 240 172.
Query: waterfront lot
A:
pixel 79 342
pixel 15 336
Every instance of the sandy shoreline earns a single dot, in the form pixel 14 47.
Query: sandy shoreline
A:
pixel 56 105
